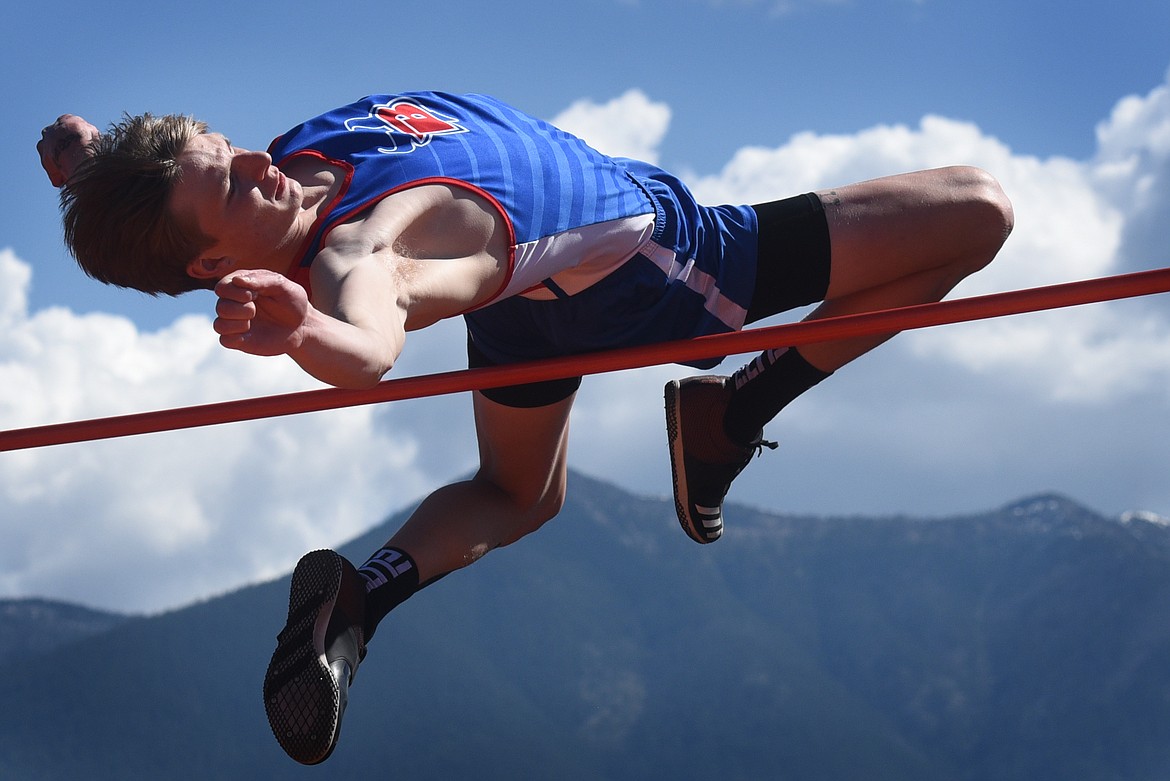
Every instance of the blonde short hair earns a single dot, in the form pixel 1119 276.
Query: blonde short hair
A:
pixel 115 207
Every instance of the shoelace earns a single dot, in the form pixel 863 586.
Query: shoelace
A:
pixel 764 443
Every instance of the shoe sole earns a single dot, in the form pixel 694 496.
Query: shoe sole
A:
pixel 301 695
pixel 682 501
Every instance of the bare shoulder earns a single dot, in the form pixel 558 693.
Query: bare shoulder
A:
pixel 400 236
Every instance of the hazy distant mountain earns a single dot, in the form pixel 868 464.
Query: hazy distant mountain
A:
pixel 1031 642
pixel 31 626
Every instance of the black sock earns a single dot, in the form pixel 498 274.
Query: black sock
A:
pixel 391 578
pixel 765 386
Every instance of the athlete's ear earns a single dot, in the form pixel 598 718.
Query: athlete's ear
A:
pixel 210 268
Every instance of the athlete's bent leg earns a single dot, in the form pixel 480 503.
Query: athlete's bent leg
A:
pixel 334 608
pixel 519 486
pixel 896 241
pixel 887 243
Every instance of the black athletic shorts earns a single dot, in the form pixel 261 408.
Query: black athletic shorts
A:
pixel 792 270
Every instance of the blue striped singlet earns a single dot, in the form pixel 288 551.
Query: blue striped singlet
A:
pixel 604 252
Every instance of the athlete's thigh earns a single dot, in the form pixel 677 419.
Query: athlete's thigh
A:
pixel 523 450
pixel 896 226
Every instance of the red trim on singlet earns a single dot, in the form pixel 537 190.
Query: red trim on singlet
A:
pixel 296 272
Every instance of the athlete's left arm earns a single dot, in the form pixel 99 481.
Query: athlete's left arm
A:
pixel 64 145
pixel 419 256
pixel 350 340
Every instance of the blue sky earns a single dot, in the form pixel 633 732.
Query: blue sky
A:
pixel 1065 102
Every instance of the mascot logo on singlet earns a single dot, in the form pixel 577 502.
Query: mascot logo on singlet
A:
pixel 408 125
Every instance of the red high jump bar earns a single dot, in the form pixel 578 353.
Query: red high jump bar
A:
pixel 751 340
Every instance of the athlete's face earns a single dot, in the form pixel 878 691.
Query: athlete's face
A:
pixel 239 200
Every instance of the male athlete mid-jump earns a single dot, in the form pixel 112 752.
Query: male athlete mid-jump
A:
pixel 393 212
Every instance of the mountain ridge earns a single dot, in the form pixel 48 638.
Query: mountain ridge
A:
pixel 1024 642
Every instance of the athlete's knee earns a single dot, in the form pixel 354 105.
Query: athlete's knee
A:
pixel 990 217
pixel 533 516
pixel 975 216
pixel 532 504
pixel 544 505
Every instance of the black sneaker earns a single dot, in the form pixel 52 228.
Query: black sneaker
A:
pixel 317 654
pixel 703 461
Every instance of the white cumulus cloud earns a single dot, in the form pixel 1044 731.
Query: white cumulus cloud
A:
pixel 630 125
pixel 945 419
pixel 123 522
